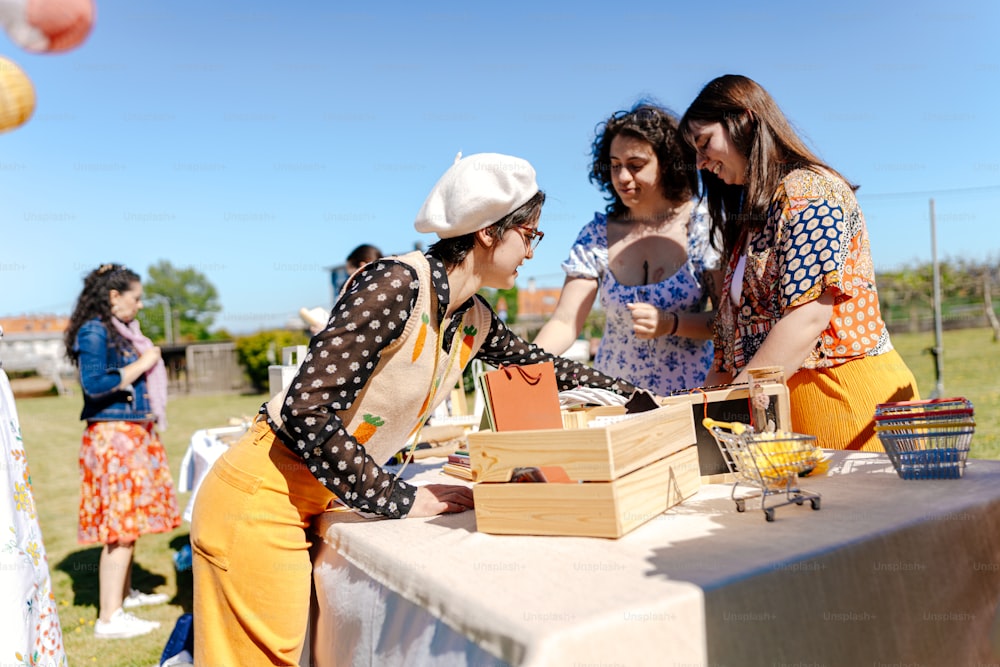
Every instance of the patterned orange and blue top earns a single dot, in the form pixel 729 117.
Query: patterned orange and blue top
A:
pixel 814 240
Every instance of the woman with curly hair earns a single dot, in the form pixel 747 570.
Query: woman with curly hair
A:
pixel 648 256
pixel 126 488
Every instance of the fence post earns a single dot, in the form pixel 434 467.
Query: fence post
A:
pixel 938 350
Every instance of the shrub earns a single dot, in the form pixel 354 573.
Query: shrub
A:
pixel 260 350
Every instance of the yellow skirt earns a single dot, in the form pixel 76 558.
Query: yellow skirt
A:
pixel 837 404
pixel 252 569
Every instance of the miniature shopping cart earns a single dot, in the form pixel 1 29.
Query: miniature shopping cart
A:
pixel 770 462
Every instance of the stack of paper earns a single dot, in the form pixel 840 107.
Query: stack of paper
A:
pixel 458 465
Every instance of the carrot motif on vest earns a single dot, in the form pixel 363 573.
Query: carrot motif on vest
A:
pixel 366 429
pixel 418 347
pixel 467 340
pixel 427 399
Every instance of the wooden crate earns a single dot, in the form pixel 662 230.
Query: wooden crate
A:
pixel 599 454
pixel 588 509
pixel 729 404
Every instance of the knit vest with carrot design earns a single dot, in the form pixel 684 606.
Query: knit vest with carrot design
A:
pixel 413 375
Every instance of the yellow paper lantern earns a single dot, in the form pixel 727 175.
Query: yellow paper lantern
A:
pixel 17 96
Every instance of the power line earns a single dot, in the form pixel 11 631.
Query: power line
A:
pixel 928 193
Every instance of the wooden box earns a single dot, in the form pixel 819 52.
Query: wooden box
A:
pixel 588 509
pixel 598 454
pixel 729 404
pixel 621 474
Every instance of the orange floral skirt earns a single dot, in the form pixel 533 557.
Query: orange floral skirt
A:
pixel 126 489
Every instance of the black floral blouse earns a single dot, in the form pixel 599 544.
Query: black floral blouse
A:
pixel 357 336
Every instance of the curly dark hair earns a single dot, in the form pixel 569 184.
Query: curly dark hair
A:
pixel 452 251
pixel 658 126
pixel 94 301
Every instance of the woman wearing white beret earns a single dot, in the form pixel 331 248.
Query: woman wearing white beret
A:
pixel 398 339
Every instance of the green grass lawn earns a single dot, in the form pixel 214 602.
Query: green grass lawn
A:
pixel 971 369
pixel 51 430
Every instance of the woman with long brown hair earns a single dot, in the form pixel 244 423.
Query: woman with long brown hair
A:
pixel 799 289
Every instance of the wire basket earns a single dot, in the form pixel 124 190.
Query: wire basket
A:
pixel 771 462
pixel 926 439
pixel 933 407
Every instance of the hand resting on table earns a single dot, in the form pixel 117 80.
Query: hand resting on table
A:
pixel 434 499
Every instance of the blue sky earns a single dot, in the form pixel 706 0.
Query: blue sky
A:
pixel 259 142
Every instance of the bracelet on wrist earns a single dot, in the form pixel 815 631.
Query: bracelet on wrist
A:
pixel 673 329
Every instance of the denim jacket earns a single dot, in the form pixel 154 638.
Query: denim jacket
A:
pixel 100 377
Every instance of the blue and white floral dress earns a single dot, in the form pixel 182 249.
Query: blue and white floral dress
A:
pixel 666 363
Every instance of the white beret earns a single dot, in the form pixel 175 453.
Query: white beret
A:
pixel 476 192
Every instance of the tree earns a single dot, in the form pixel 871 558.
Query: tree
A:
pixel 593 326
pixel 193 302
pixel 509 299
pixel 907 293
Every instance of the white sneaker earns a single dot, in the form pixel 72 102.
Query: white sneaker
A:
pixel 182 658
pixel 122 625
pixel 139 599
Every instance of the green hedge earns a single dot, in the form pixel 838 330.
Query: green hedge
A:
pixel 263 349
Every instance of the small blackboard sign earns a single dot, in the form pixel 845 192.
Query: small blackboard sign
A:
pixel 728 405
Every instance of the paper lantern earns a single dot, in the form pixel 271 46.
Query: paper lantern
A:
pixel 17 96
pixel 47 25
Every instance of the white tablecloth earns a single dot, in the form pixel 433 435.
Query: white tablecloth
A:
pixel 206 446
pixel 888 571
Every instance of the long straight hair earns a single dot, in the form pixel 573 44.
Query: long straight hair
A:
pixel 761 133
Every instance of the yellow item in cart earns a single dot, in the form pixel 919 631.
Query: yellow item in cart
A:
pixel 780 454
pixel 776 454
pixel 821 468
pixel 770 461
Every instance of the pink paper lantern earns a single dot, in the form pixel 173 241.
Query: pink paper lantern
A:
pixel 47 26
